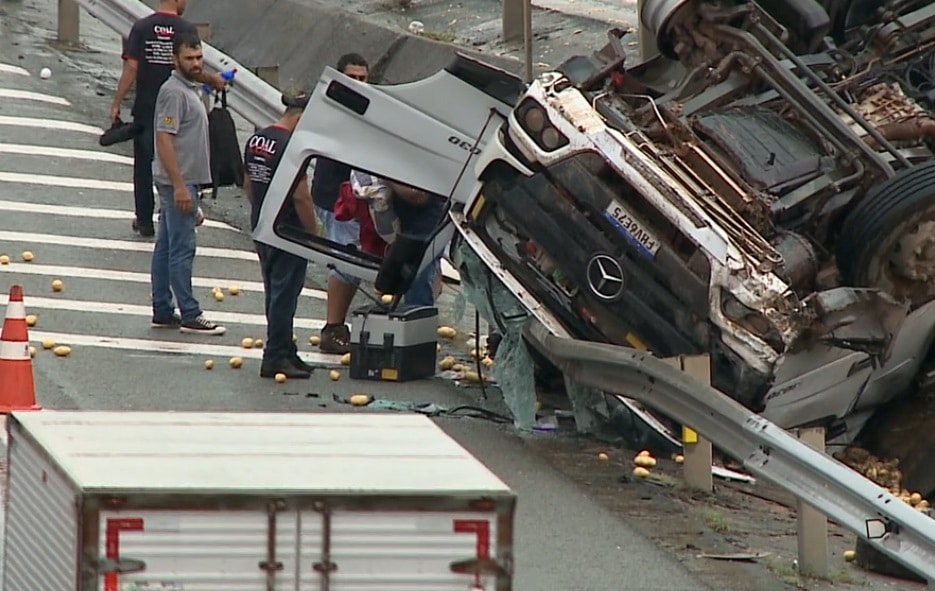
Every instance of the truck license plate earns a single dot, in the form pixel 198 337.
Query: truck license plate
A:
pixel 635 232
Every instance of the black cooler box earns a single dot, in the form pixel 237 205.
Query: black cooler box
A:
pixel 397 345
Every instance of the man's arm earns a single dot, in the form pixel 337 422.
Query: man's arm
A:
pixel 407 193
pixel 248 188
pixel 304 207
pixel 131 63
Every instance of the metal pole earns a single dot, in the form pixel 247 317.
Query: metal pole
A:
pixel 527 37
pixel 68 22
pixel 512 20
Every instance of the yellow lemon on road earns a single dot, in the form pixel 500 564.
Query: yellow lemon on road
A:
pixel 209 364
pixel 4 259
pixel 57 285
pixel 31 320
pixel 280 378
pixel 28 256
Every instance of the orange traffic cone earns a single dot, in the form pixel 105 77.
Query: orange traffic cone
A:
pixel 17 388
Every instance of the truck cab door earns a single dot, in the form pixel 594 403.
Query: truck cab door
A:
pixel 425 134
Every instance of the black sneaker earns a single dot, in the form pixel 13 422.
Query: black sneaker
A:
pixel 146 231
pixel 200 325
pixel 335 339
pixel 297 362
pixel 292 373
pixel 173 321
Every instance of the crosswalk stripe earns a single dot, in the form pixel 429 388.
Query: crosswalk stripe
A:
pixel 26 95
pixel 86 212
pixel 109 275
pixel 50 152
pixel 147 311
pixel 57 124
pixel 48 180
pixel 11 69
pixel 157 346
pixel 124 245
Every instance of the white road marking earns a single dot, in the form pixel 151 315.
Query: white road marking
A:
pixel 108 275
pixel 27 95
pixel 11 69
pixel 86 212
pixel 147 311
pixel 57 124
pixel 48 180
pixel 49 152
pixel 156 346
pixel 126 245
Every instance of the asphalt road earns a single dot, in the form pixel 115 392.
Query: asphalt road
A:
pixel 68 201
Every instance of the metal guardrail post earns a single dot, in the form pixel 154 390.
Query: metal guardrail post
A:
pixel 512 25
pixel 696 449
pixel 69 22
pixel 811 524
pixel 204 31
pixel 268 74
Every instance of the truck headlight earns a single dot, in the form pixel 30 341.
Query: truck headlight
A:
pixel 535 122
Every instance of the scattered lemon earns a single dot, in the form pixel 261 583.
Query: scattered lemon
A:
pixel 447 363
pixel 915 498
pixel 57 285
pixel 31 320
pixel 645 461
pixel 386 298
pixel 850 555
pixel 236 362
pixel 209 364
pixel 335 375
pixel 219 296
pixel 62 351
pixel 471 376
pixel 258 344
pixel 314 341
pixel 32 351
pixel 447 332
pixel 28 256
pixel 247 343
pixel 234 290
pixel 643 454
pixel 280 378
pixel 346 359
pixel 360 399
pixel 487 362
pixel 48 344
pixel 458 367
pixel 473 353
pixel 603 457
pixel 4 259
pixel 640 472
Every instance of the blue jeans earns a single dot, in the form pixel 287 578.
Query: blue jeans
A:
pixel 344 233
pixel 143 154
pixel 283 280
pixel 422 290
pixel 173 257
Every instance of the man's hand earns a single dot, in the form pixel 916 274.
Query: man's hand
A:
pixel 217 81
pixel 114 112
pixel 183 199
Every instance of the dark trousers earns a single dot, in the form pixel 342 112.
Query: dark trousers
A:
pixel 283 280
pixel 143 154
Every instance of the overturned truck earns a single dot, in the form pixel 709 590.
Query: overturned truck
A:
pixel 762 191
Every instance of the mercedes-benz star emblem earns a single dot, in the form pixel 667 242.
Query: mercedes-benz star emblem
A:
pixel 605 277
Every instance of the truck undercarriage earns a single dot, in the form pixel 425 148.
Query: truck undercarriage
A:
pixel 762 192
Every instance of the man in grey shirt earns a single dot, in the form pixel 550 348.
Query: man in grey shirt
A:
pixel 182 163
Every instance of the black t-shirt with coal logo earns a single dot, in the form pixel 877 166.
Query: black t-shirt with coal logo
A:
pixel 150 45
pixel 261 158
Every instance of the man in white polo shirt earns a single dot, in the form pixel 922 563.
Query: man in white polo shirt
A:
pixel 182 163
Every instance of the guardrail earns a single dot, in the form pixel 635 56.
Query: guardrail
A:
pixel 250 96
pixel 870 511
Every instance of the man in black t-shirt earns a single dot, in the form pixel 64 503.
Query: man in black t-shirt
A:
pixel 147 62
pixel 283 272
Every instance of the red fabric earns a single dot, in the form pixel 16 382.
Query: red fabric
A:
pixel 348 207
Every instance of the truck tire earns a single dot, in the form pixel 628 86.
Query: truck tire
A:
pixel 888 240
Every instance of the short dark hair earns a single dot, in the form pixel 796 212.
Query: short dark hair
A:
pixel 352 59
pixel 185 40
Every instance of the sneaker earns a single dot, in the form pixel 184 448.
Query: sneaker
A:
pixel 297 362
pixel 173 321
pixel 335 339
pixel 269 370
pixel 200 325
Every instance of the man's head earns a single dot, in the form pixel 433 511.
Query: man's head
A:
pixel 177 6
pixel 295 106
pixel 187 55
pixel 354 66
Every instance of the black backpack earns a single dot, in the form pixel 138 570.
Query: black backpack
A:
pixel 226 158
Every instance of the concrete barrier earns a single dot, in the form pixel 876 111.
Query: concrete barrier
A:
pixel 302 39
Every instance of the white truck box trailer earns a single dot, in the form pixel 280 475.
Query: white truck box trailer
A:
pixel 133 501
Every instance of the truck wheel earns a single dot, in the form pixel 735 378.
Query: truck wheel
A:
pixel 888 240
